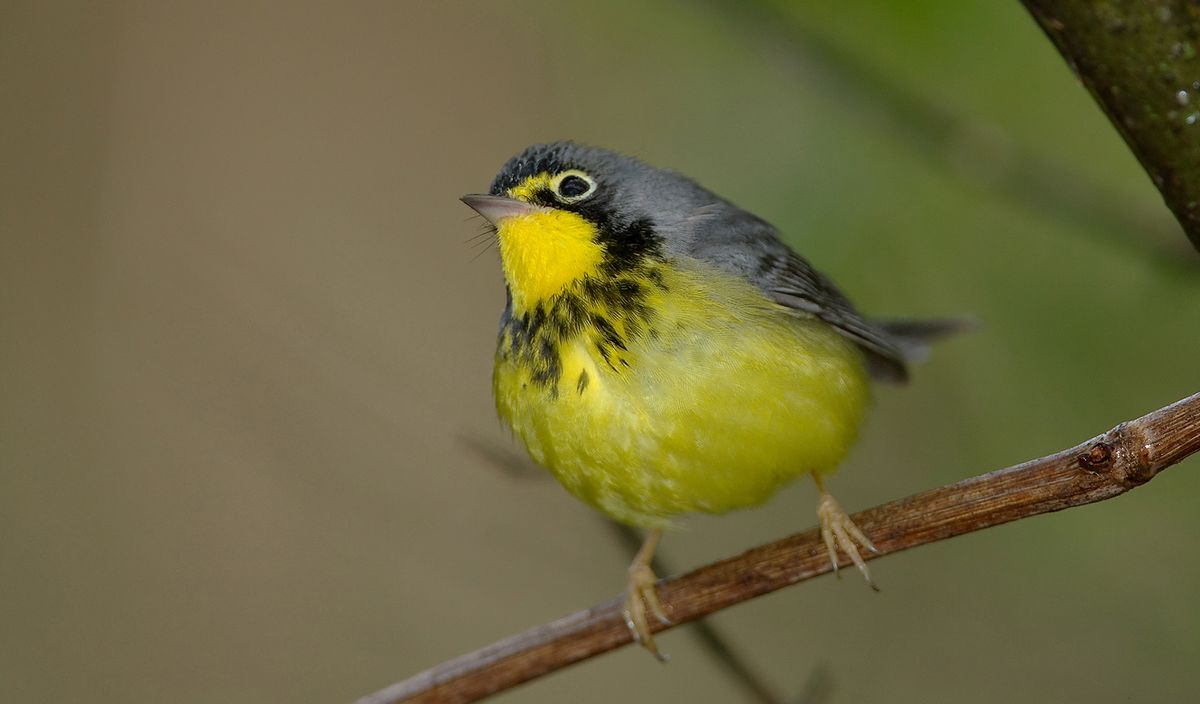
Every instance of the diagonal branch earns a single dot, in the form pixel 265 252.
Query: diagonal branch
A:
pixel 1139 61
pixel 971 149
pixel 1127 456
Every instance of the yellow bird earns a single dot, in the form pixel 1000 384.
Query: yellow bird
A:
pixel 662 352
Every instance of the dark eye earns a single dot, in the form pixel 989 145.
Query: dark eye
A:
pixel 574 185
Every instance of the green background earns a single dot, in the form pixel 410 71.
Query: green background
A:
pixel 247 449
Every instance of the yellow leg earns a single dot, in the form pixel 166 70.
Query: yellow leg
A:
pixel 838 531
pixel 640 596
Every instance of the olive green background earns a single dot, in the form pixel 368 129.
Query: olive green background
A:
pixel 247 449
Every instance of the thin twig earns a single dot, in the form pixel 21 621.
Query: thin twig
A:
pixel 727 656
pixel 1127 456
pixel 731 660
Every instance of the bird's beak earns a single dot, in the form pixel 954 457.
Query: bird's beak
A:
pixel 497 208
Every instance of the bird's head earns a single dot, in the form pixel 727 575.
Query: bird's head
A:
pixel 565 212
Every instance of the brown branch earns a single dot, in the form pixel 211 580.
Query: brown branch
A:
pixel 1141 62
pixel 1110 464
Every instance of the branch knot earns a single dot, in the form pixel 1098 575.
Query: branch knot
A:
pixel 1097 458
pixel 1133 462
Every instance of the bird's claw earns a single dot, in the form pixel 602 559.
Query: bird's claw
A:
pixel 640 598
pixel 838 531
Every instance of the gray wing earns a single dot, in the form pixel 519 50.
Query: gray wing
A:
pixel 791 281
pixel 742 244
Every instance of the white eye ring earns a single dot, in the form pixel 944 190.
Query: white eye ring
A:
pixel 575 175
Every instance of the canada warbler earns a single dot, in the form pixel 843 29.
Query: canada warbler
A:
pixel 662 352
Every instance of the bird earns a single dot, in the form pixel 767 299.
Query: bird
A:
pixel 663 352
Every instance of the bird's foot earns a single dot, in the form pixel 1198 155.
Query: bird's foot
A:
pixel 838 531
pixel 641 599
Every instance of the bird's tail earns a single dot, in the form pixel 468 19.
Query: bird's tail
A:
pixel 913 339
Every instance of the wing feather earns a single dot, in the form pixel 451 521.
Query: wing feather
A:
pixel 791 281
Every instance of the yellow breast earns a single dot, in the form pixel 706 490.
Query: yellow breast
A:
pixel 708 399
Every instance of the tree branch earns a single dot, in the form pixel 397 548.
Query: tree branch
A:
pixel 971 149
pixel 1141 62
pixel 1127 456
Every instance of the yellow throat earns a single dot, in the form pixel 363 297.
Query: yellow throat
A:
pixel 544 252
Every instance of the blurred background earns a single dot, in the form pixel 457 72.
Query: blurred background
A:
pixel 247 446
